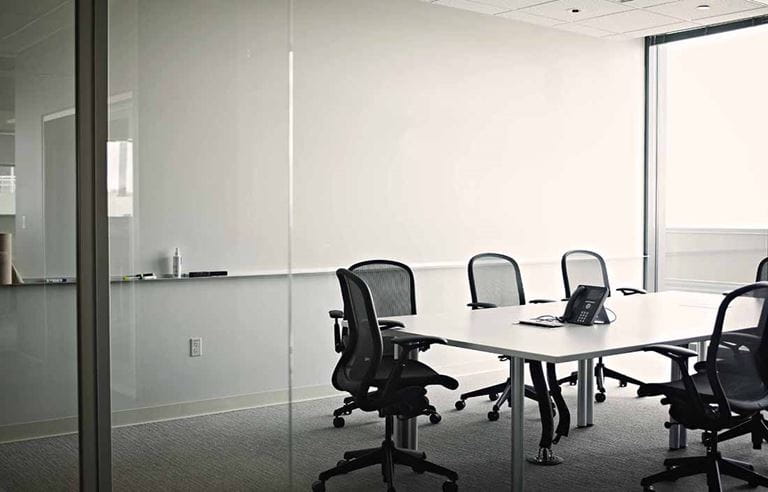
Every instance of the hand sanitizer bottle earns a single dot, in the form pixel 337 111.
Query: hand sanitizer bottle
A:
pixel 177 263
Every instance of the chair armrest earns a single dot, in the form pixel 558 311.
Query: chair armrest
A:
pixel 386 324
pixel 679 355
pixel 410 342
pixel 540 301
pixel 629 291
pixel 338 340
pixel 740 339
pixel 671 351
pixel 481 305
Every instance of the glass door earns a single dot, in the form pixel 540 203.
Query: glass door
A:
pixel 38 310
pixel 198 187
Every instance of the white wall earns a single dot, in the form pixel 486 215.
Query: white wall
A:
pixel 428 133
pixel 421 133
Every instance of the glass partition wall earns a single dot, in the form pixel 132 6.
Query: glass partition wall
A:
pixel 708 148
pixel 198 182
pixel 38 310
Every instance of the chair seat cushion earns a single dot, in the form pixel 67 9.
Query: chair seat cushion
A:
pixel 414 373
pixel 746 393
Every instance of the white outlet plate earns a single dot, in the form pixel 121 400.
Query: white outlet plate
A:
pixel 195 347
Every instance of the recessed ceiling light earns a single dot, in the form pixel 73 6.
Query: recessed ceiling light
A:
pixel 703 6
pixel 574 11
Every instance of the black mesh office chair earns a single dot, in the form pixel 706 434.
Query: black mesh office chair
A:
pixel 730 392
pixel 393 289
pixel 582 267
pixel 495 281
pixel 393 391
pixel 757 426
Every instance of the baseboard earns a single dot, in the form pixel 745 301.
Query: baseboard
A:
pixel 68 425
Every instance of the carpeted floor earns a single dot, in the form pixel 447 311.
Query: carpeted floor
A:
pixel 248 450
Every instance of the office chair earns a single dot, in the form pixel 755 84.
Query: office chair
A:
pixel 495 281
pixel 582 267
pixel 392 391
pixel 393 288
pixel 757 426
pixel 730 392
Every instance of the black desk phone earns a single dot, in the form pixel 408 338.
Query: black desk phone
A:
pixel 585 305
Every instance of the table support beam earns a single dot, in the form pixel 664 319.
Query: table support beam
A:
pixel 585 393
pixel 516 398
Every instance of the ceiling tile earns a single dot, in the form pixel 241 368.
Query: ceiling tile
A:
pixel 631 20
pixel 582 29
pixel 732 17
pixel 686 9
pixel 530 18
pixel 561 9
pixel 637 4
pixel 678 26
pixel 510 4
pixel 482 8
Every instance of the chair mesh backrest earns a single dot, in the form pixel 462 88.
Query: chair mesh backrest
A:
pixel 496 279
pixel 391 284
pixel 738 369
pixel 582 267
pixel 762 271
pixel 357 366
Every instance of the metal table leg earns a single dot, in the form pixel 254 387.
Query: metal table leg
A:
pixel 585 393
pixel 516 397
pixel 677 433
pixel 406 431
pixel 701 348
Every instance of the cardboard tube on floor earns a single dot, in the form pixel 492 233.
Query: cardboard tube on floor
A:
pixel 6 258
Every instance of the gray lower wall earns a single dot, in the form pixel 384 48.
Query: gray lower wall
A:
pixel 712 260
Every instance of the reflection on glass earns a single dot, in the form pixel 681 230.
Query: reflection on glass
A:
pixel 38 357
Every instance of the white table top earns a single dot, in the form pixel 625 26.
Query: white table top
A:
pixel 671 317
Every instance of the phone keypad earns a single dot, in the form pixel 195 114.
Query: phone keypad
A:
pixel 582 317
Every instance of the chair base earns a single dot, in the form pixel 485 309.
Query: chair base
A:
pixel 499 392
pixel 756 426
pixel 387 456
pixel 713 465
pixel 601 373
pixel 350 404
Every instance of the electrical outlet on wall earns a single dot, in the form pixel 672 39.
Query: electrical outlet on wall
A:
pixel 195 347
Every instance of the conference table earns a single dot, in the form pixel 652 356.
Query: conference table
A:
pixel 671 317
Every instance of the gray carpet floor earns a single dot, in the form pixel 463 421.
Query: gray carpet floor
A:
pixel 249 450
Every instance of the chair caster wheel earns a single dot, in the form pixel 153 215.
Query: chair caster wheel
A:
pixel 492 416
pixel 450 487
pixel 318 486
pixel 572 383
pixel 435 418
pixel 622 384
pixel 460 405
pixel 648 488
pixel 338 422
pixel 492 397
pixel 600 397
